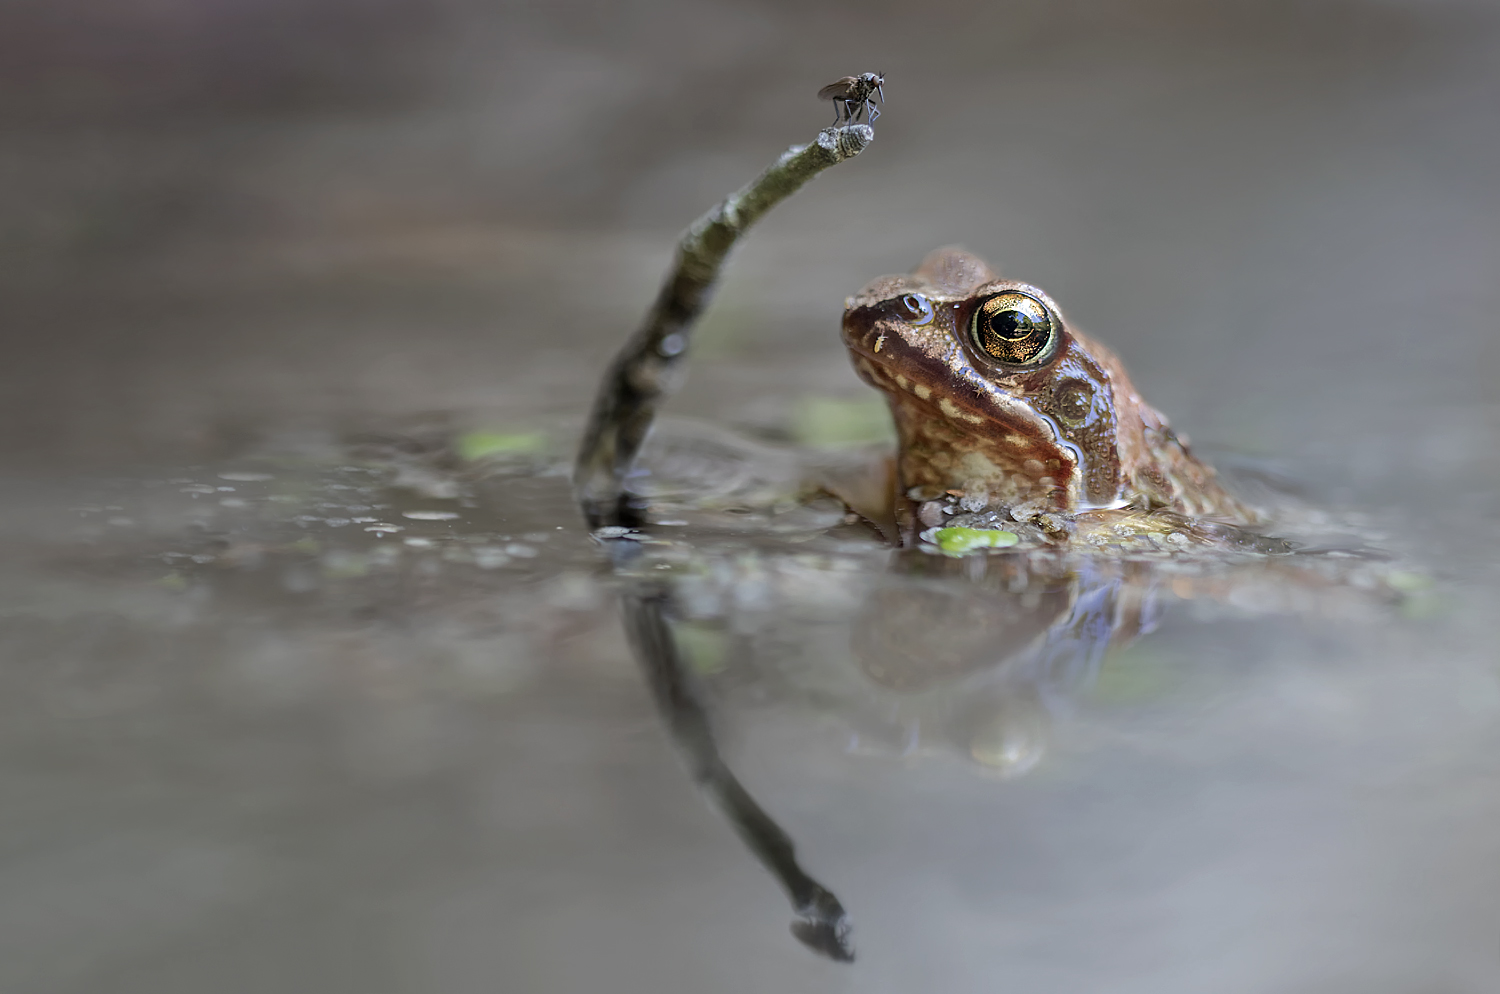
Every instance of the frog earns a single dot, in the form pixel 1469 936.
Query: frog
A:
pixel 1006 414
pixel 1009 422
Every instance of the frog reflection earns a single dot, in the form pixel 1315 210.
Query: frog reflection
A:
pixel 977 655
pixel 992 647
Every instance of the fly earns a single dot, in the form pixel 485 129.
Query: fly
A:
pixel 855 95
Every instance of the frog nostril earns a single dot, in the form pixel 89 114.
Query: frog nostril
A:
pixel 918 308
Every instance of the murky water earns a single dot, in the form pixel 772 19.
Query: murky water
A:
pixel 314 679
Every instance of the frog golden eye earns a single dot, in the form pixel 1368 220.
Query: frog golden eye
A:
pixel 1014 328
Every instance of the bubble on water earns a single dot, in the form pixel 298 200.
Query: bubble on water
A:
pixel 1010 745
pixel 418 543
pixel 490 557
pixel 430 515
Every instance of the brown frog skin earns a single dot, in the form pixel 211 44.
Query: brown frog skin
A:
pixel 994 393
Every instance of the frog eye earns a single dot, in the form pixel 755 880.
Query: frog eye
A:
pixel 918 308
pixel 1014 328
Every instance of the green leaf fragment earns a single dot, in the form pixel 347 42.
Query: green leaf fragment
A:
pixel 474 445
pixel 1421 598
pixel 1408 582
pixel 961 541
pixel 827 422
pixel 1424 605
pixel 705 647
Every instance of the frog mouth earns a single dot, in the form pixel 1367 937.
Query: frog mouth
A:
pixel 973 406
pixel 975 428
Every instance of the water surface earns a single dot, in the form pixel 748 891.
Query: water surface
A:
pixel 314 679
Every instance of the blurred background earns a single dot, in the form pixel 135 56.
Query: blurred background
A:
pixel 220 216
pixel 236 229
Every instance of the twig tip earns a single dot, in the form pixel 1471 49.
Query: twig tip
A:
pixel 847 141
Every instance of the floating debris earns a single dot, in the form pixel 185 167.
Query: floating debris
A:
pixel 960 541
pixel 475 445
pixel 431 515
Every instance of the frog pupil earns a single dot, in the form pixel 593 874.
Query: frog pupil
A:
pixel 1011 325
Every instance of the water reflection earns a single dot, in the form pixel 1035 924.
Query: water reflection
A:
pixel 441 581
pixel 909 651
pixel 1001 642
pixel 951 743
pixel 821 921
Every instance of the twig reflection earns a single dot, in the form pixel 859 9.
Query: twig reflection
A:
pixel 821 923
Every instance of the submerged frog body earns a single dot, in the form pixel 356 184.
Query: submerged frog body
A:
pixel 1000 403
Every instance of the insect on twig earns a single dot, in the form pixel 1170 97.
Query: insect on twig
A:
pixel 853 95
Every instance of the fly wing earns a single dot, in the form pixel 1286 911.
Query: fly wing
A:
pixel 838 89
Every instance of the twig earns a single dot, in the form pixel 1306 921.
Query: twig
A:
pixel 646 370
